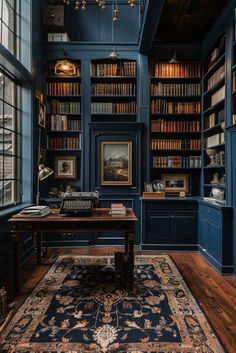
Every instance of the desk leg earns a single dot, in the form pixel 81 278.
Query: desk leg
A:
pixel 16 260
pixel 129 247
pixel 37 244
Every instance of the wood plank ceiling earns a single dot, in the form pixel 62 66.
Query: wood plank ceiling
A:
pixel 187 20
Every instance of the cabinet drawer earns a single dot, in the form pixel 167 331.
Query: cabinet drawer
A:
pixel 170 206
pixel 210 213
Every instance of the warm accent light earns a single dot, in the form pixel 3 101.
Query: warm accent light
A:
pixel 101 3
pixel 65 68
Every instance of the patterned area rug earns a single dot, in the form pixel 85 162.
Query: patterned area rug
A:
pixel 76 307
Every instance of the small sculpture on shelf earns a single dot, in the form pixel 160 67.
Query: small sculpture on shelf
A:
pixel 211 154
pixel 220 158
pixel 222 180
pixel 215 179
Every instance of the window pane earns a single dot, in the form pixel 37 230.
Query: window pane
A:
pixel 1 139
pixel 8 15
pixel 11 3
pixel 1 113
pixel 9 91
pixel 6 192
pixel 1 80
pixel 1 193
pixel 7 38
pixel 10 138
pixel 8 116
pixel 9 144
pixel 1 167
pixel 8 167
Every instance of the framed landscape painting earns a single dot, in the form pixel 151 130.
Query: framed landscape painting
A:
pixel 116 163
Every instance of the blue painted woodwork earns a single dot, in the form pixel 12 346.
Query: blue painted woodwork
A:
pixel 215 235
pixel 169 223
pixel 150 20
pixel 95 25
pixel 232 142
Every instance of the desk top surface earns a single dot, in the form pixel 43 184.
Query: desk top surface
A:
pixel 100 214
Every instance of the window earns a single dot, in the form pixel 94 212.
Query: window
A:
pixel 10 141
pixel 9 25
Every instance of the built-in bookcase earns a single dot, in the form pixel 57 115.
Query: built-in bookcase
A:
pixel 175 137
pixel 64 123
pixel 214 118
pixel 234 73
pixel 113 91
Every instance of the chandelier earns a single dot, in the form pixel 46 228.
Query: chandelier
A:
pixel 101 3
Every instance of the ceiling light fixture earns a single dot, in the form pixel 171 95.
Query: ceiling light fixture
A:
pixel 173 60
pixel 113 55
pixel 101 3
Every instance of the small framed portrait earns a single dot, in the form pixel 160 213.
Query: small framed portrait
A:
pixel 148 187
pixel 175 183
pixel 42 156
pixel 116 163
pixel 65 167
pixel 41 114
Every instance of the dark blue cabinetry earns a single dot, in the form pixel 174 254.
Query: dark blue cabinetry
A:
pixel 169 224
pixel 215 235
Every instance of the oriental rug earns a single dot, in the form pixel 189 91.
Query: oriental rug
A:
pixel 76 307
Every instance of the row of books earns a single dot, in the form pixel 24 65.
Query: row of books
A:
pixel 161 125
pixel 63 89
pixel 175 89
pixel 234 81
pixel 218 96
pixel 127 68
pixel 214 118
pixel 113 108
pixel 161 106
pixel 64 107
pixel 216 77
pixel 66 143
pixel 167 144
pixel 177 162
pixel 214 140
pixel 216 52
pixel 177 70
pixel 120 89
pixel 62 123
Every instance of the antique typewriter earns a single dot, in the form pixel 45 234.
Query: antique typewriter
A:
pixel 79 203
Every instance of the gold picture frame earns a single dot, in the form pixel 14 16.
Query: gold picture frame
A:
pixel 175 183
pixel 41 114
pixel 116 163
pixel 65 167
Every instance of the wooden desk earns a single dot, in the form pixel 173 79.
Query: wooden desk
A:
pixel 101 221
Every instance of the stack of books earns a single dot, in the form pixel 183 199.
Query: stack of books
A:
pixel 34 211
pixel 117 209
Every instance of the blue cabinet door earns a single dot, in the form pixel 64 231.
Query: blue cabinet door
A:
pixel 215 245
pixel 159 228
pixel 203 232
pixel 185 228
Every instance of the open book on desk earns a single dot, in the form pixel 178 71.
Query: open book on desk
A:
pixel 34 211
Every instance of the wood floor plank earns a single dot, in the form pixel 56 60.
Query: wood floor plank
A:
pixel 215 294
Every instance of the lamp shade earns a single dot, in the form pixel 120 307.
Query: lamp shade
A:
pixel 44 172
pixel 113 55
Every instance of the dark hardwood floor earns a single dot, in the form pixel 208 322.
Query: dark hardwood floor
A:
pixel 215 293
